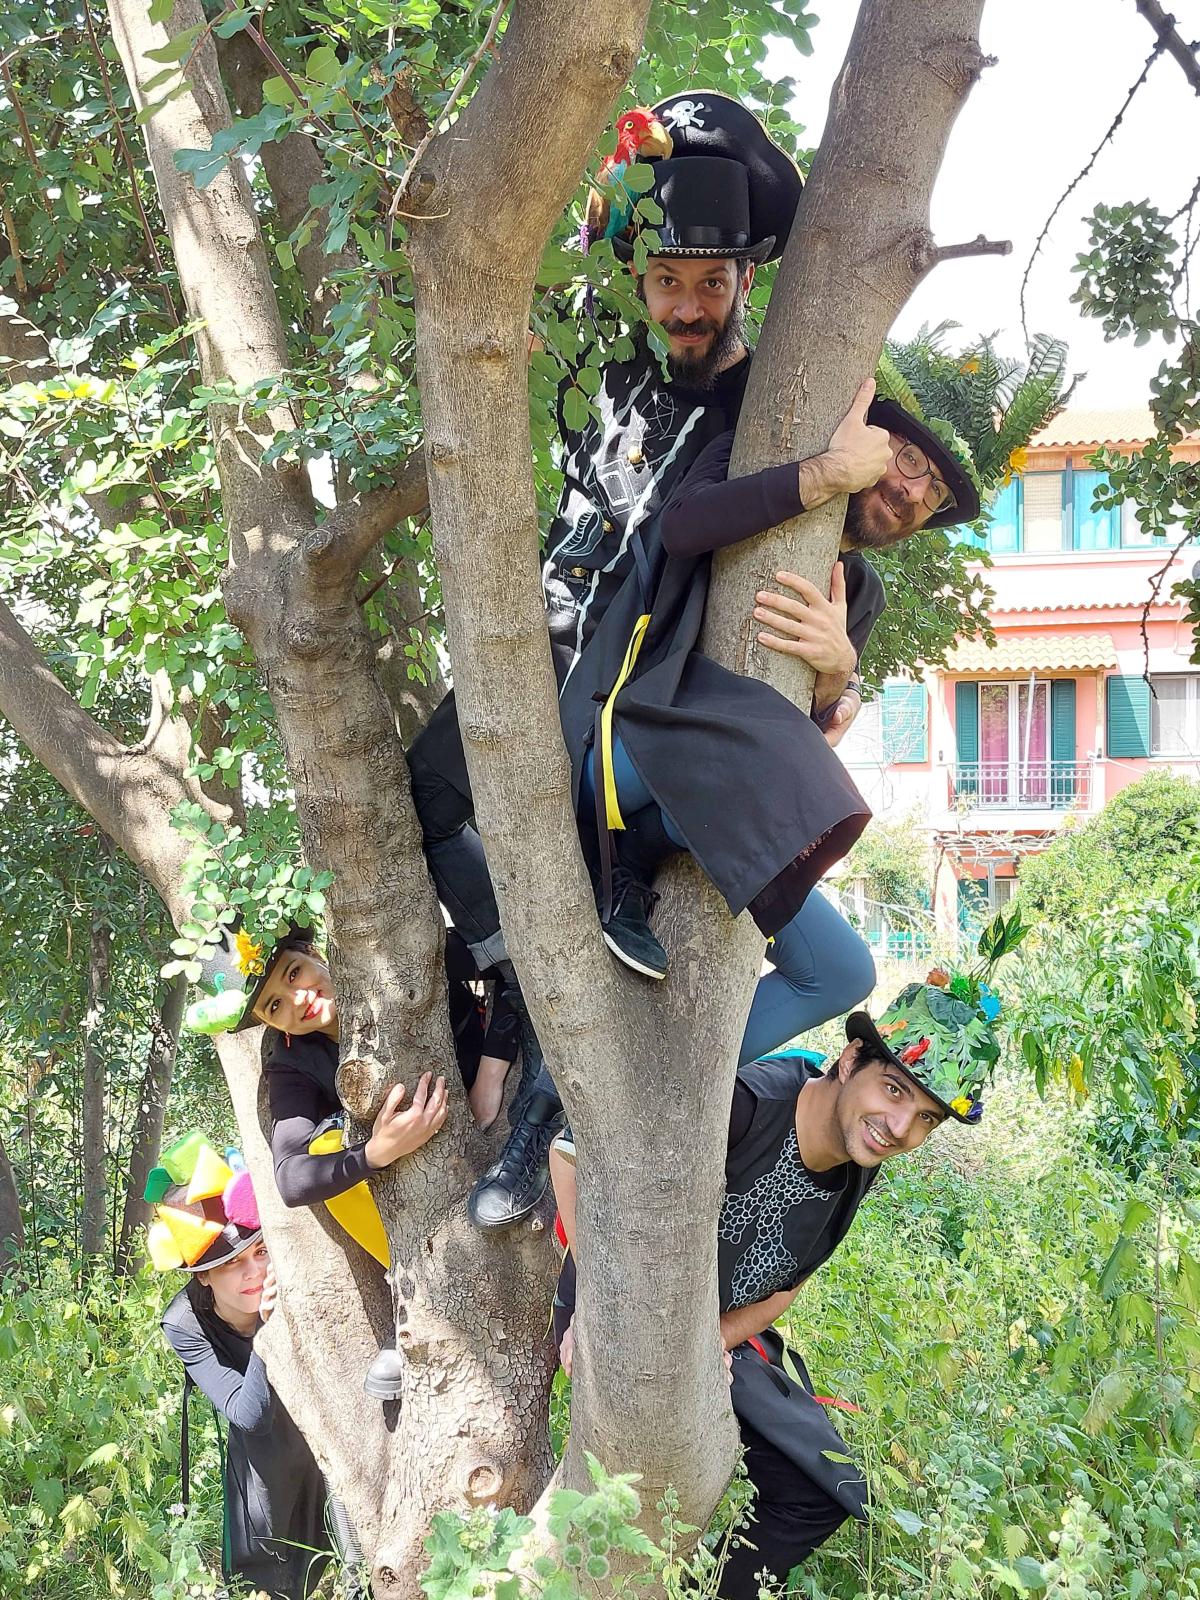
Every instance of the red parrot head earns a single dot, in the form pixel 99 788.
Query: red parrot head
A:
pixel 640 135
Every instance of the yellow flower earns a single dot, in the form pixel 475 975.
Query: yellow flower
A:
pixel 970 366
pixel 962 1105
pixel 1018 460
pixel 249 954
pixel 1075 1076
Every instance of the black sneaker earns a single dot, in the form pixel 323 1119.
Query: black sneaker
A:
pixel 627 931
pixel 513 1185
pixel 563 1143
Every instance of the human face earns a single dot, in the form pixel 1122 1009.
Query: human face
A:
pixel 891 510
pixel 881 1112
pixel 701 305
pixel 237 1286
pixel 298 996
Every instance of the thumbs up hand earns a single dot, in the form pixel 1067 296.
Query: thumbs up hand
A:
pixel 859 454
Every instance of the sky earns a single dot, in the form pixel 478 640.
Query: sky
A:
pixel 1028 127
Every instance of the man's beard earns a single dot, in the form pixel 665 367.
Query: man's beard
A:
pixel 856 535
pixel 700 369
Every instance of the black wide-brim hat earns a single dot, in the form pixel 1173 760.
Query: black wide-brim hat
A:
pixel 861 1026
pixel 727 191
pixel 887 414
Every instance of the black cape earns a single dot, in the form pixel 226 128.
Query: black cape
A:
pixel 273 1489
pixel 761 799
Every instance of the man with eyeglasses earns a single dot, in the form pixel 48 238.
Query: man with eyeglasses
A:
pixel 930 483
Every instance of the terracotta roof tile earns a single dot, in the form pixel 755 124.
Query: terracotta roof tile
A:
pixel 1069 652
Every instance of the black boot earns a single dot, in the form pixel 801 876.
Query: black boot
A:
pixel 514 1184
pixel 639 850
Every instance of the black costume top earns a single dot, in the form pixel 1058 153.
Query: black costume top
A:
pixel 779 1220
pixel 779 1223
pixel 273 1489
pixel 617 474
pixel 302 1089
pixel 758 795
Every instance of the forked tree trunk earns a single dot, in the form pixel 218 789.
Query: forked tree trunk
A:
pixel 148 1123
pixel 646 1075
pixel 95 1193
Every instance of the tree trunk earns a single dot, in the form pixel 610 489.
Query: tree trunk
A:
pixel 148 1124
pixel 12 1229
pixel 95 1193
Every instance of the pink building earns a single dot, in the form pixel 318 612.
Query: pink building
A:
pixel 997 750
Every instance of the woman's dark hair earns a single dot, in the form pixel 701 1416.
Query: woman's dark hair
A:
pixel 200 1296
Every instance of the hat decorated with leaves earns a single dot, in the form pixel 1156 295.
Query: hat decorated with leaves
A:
pixel 235 972
pixel 205 1213
pixel 724 188
pixel 941 1033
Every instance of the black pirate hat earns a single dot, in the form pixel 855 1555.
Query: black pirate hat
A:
pixel 726 190
pixel 946 449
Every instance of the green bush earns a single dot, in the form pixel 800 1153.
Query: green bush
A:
pixel 89 1448
pixel 1131 851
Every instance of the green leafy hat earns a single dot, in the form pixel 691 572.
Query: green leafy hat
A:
pixel 235 973
pixel 941 1033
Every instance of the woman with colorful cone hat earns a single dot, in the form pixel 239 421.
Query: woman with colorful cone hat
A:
pixel 206 1225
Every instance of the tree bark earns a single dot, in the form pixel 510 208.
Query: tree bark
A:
pixel 12 1229
pixel 859 247
pixel 148 1124
pixel 95 1189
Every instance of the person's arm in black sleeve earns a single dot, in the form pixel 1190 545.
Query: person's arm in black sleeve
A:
pixel 246 1400
pixel 296 1113
pixel 710 510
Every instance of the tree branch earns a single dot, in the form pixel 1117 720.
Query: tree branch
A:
pixel 928 255
pixel 849 267
pixel 337 549
pixel 1170 41
pixel 131 792
pixel 293 167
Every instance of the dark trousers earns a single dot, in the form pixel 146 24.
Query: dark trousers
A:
pixel 792 1517
pixel 453 849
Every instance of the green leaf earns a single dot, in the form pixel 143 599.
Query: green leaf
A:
pixel 639 178
pixel 161 10
pixel 323 65
pixel 278 92
pixel 283 253
pixel 177 48
pixel 908 1521
pixel 575 409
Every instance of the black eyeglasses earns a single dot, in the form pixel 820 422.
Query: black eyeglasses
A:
pixel 913 463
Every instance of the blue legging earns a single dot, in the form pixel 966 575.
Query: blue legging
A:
pixel 822 967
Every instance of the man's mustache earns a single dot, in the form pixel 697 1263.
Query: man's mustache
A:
pixel 705 325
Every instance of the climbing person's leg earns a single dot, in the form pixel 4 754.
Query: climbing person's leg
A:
pixel 822 969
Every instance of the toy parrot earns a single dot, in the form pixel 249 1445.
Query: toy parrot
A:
pixel 218 1012
pixel 640 137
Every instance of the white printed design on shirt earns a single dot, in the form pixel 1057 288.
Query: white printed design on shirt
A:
pixel 767 1266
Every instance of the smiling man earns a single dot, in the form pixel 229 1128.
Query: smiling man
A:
pixel 805 1146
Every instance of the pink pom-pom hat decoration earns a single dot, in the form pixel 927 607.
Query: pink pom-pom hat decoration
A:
pixel 239 1202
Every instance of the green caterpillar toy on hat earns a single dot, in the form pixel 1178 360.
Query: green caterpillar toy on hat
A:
pixel 235 974
pixel 941 1033
pixel 205 1213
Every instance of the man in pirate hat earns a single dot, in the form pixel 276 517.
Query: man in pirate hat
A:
pixel 728 196
pixel 805 1146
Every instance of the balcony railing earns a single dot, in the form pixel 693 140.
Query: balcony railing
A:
pixel 1024 786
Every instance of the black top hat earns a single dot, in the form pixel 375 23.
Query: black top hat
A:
pixel 726 190
pixel 887 414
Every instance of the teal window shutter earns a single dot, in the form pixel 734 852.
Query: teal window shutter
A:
pixel 1128 716
pixel 904 722
pixel 1004 529
pixel 1062 742
pixel 966 737
pixel 1094 530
